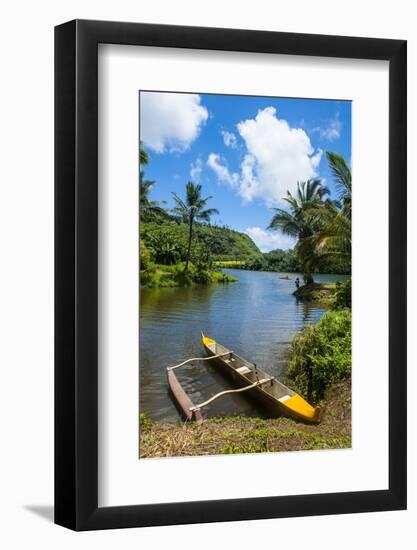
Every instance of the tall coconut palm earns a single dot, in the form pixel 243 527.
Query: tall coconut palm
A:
pixel 147 206
pixel 298 221
pixel 192 209
pixel 333 237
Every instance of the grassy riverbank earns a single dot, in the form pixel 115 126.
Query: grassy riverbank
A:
pixel 235 264
pixel 157 275
pixel 237 435
pixel 335 295
pixel 316 292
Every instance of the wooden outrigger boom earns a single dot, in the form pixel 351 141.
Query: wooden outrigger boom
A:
pixel 198 359
pixel 225 392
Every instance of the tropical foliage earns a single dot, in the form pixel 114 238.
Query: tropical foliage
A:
pixel 211 244
pixel 322 226
pixel 282 261
pixel 324 348
pixel 184 234
pixel 147 207
pixel 145 255
pixel 192 209
pixel 343 295
pixel 299 222
pixel 143 155
pixel 180 247
pixel 286 261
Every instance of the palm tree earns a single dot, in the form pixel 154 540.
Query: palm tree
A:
pixel 191 210
pixel 333 238
pixel 143 155
pixel 146 206
pixel 299 222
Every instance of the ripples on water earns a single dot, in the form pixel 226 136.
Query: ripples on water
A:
pixel 255 317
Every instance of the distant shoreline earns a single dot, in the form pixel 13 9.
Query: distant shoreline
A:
pixel 287 272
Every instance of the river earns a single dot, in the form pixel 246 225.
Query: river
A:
pixel 255 317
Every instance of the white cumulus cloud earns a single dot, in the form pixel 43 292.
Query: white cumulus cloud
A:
pixel 169 121
pixel 218 165
pixel 229 139
pixel 277 156
pixel 196 169
pixel 270 240
pixel 280 156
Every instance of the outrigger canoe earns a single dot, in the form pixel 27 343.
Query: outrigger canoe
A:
pixel 275 396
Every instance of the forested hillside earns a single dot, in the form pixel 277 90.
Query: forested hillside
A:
pixel 166 237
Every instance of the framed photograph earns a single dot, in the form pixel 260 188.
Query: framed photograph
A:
pixel 230 244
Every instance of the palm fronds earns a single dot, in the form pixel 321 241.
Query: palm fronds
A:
pixel 192 209
pixel 143 155
pixel 286 222
pixel 322 225
pixel 147 206
pixel 341 173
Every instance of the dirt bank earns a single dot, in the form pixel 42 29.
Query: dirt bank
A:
pixel 238 435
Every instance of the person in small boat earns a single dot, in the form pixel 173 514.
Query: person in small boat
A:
pixel 297 283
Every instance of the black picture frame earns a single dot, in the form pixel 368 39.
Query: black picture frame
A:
pixel 76 272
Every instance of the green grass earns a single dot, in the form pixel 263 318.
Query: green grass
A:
pixel 240 435
pixel 160 276
pixel 323 293
pixel 144 421
pixel 229 263
pixel 266 440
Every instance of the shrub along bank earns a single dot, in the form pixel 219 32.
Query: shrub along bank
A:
pixel 157 275
pixel 326 349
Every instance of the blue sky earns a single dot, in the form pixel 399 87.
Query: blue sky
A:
pixel 245 151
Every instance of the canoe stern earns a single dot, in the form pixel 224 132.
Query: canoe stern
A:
pixel 298 407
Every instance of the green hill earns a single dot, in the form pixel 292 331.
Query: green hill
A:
pixel 166 238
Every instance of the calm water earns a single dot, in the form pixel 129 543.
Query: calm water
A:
pixel 255 317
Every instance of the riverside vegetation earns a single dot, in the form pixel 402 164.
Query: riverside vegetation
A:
pixel 319 366
pixel 179 247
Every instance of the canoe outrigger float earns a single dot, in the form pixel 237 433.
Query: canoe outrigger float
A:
pixel 272 394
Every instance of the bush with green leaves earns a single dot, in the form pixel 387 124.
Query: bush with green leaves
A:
pixel 144 255
pixel 343 295
pixel 286 261
pixel 325 347
pixel 158 275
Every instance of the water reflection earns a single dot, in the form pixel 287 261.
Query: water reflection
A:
pixel 256 317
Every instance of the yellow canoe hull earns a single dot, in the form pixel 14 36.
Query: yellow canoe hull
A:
pixel 279 398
